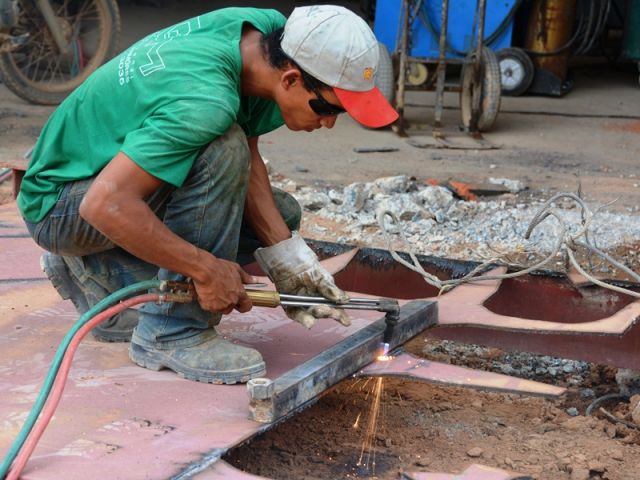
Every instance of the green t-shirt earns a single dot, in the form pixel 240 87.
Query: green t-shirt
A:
pixel 160 102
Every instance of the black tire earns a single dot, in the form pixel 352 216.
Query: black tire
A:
pixel 516 71
pixel 488 87
pixel 385 76
pixel 95 43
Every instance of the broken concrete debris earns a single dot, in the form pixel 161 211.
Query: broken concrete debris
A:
pixel 514 186
pixel 437 223
pixel 634 408
pixel 375 149
pixel 628 381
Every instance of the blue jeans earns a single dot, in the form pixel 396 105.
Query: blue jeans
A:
pixel 206 211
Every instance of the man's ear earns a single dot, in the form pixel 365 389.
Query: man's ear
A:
pixel 290 77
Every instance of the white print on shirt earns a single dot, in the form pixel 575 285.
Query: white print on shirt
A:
pixel 152 44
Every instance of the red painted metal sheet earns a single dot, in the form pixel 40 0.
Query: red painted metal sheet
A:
pixel 620 352
pixel 474 472
pixel 11 222
pixel 20 259
pixel 411 367
pixel 116 417
pixel 543 314
pixel 465 317
pixel 127 419
pixel 469 305
pixel 19 253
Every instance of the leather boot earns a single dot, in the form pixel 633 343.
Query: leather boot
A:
pixel 213 361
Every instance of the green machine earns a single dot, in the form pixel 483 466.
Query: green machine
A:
pixel 631 41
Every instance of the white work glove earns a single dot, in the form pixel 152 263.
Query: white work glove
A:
pixel 294 268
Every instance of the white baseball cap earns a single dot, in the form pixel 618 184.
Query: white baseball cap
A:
pixel 338 48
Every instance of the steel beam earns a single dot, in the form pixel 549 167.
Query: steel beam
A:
pixel 273 400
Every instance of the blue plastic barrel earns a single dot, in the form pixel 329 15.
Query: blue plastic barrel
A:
pixel 462 27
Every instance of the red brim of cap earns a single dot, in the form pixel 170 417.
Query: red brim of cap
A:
pixel 369 108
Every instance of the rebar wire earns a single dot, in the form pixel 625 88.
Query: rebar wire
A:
pixel 606 413
pixel 604 398
pixel 566 245
pixel 615 419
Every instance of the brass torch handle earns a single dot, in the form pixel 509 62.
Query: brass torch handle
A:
pixel 264 298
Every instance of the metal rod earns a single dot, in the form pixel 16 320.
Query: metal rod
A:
pixel 399 126
pixel 347 306
pixel 442 64
pixel 303 298
pixel 478 78
pixel 302 385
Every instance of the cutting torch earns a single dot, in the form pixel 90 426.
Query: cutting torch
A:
pixel 273 299
pixel 265 298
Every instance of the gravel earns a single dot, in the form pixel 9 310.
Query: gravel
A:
pixel 437 223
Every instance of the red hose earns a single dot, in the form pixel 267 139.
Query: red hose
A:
pixel 80 55
pixel 61 379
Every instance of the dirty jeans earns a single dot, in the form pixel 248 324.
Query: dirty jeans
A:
pixel 205 211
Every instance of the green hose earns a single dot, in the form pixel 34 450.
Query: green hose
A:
pixel 57 361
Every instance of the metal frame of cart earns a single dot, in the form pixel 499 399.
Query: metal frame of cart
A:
pixel 479 84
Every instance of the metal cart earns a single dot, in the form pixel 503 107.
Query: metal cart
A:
pixel 479 85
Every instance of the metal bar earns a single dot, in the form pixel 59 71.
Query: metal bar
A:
pixel 482 10
pixel 347 306
pixel 398 127
pixel 442 64
pixel 408 366
pixel 477 70
pixel 300 386
pixel 305 298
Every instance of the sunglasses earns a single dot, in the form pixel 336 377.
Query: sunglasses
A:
pixel 323 108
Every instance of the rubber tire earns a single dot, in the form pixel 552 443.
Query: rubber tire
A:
pixel 489 88
pixel 385 76
pixel 524 63
pixel 44 93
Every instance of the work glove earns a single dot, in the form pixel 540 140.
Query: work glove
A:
pixel 294 268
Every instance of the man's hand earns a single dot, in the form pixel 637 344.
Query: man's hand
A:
pixel 294 268
pixel 221 289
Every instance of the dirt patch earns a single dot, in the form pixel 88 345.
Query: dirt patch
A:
pixel 632 127
pixel 6 191
pixel 423 427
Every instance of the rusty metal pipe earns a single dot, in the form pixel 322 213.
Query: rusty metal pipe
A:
pixel 442 64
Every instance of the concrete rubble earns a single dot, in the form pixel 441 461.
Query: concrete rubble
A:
pixel 437 223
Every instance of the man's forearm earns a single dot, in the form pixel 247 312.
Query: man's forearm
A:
pixel 132 225
pixel 114 205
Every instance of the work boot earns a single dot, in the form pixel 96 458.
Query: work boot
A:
pixel 214 361
pixel 62 280
pixel 118 328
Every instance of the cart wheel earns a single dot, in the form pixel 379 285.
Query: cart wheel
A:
pixel 516 71
pixel 385 77
pixel 418 74
pixel 487 86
